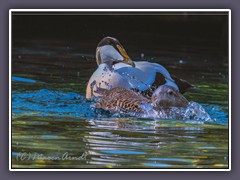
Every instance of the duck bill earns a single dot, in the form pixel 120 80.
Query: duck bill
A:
pixel 185 102
pixel 129 62
pixel 126 58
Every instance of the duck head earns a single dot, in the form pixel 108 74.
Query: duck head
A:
pixel 110 52
pixel 166 97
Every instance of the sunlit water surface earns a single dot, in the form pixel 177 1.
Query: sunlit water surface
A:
pixel 54 126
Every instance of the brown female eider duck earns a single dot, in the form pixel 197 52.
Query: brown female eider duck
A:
pixel 123 100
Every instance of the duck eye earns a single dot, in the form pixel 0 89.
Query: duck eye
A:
pixel 170 92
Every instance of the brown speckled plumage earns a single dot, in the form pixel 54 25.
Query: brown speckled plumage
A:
pixel 121 99
pixel 125 100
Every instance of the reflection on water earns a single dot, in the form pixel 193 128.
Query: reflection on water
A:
pixel 51 117
pixel 120 143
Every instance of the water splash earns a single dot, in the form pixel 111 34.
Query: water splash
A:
pixel 196 112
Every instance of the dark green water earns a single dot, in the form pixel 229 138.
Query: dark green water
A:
pixel 51 118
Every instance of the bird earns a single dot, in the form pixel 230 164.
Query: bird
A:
pixel 120 99
pixel 117 69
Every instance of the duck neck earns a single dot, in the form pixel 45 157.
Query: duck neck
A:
pixel 107 66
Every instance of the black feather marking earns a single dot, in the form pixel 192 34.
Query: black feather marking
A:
pixel 183 85
pixel 159 80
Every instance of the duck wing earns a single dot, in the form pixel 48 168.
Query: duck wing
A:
pixel 121 99
pixel 160 76
pixel 144 74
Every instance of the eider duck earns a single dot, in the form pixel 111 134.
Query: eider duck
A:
pixel 116 69
pixel 124 100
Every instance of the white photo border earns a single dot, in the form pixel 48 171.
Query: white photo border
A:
pixel 129 11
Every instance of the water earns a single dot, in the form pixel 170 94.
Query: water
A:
pixel 57 127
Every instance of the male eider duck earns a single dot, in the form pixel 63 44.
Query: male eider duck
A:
pixel 123 100
pixel 116 69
